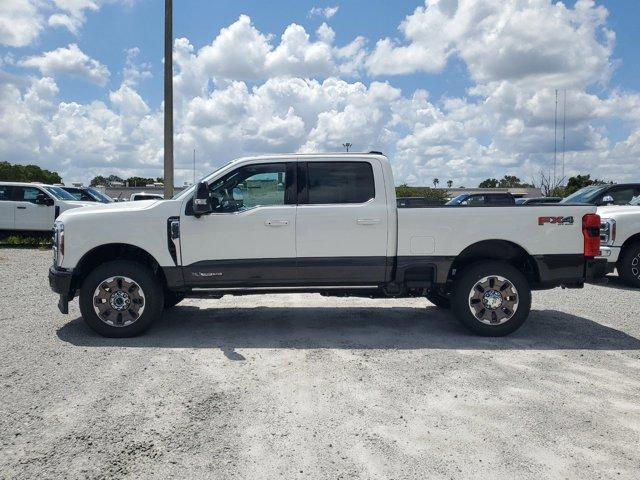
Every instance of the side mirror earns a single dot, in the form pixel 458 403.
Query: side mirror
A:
pixel 201 201
pixel 43 199
pixel 607 200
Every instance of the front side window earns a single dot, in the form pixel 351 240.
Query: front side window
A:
pixel 27 194
pixel 248 187
pixel 340 182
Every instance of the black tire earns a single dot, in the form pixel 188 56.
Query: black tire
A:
pixel 629 264
pixel 465 288
pixel 438 299
pixel 171 299
pixel 151 298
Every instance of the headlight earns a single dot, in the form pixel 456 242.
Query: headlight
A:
pixel 58 242
pixel 607 231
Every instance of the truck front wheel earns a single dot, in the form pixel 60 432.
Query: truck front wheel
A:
pixel 121 299
pixel 491 298
pixel 629 264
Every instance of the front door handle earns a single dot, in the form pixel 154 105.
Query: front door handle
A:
pixel 21 208
pixel 368 221
pixel 276 223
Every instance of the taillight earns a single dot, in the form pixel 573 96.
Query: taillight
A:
pixel 591 233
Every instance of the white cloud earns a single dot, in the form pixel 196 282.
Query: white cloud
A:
pixel 20 22
pixel 326 12
pixel 539 42
pixel 250 92
pixel 69 61
pixel 242 52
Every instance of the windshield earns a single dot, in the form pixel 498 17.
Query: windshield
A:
pixel 98 195
pixel 59 193
pixel 458 200
pixel 584 195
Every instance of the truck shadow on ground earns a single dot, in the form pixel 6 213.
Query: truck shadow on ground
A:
pixel 613 281
pixel 351 328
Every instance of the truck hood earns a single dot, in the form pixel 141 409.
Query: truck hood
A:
pixel 606 212
pixel 102 210
pixel 80 203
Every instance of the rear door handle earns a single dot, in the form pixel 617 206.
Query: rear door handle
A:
pixel 276 223
pixel 22 208
pixel 368 221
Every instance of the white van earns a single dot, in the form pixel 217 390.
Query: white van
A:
pixel 33 206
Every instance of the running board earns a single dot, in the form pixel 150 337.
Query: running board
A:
pixel 324 290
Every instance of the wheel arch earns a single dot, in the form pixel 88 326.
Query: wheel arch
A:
pixel 497 249
pixel 115 251
pixel 632 239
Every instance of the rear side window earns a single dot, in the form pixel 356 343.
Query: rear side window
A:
pixel 340 182
pixel 5 192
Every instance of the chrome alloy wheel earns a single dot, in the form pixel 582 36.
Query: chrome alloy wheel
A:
pixel 493 300
pixel 118 301
pixel 635 266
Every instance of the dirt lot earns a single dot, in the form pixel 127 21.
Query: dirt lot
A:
pixel 299 386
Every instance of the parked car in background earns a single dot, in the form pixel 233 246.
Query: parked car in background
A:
pixel 610 194
pixel 416 202
pixel 145 196
pixel 33 206
pixel 482 199
pixel 537 200
pixel 325 223
pixel 620 240
pixel 88 194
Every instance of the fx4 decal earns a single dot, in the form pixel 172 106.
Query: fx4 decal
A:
pixel 555 220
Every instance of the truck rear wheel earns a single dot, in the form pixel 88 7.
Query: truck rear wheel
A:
pixel 491 298
pixel 629 264
pixel 121 299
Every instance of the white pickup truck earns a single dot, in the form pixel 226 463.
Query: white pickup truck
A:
pixel 325 223
pixel 620 238
pixel 33 207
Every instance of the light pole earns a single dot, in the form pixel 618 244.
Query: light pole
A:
pixel 168 98
pixel 347 146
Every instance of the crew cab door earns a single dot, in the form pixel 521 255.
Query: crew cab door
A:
pixel 7 208
pixel 341 222
pixel 30 215
pixel 249 239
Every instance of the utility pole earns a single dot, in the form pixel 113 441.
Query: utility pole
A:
pixel 194 166
pixel 168 98
pixel 555 140
pixel 564 128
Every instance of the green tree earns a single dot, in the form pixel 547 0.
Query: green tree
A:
pixel 426 192
pixel 99 181
pixel 435 182
pixel 580 181
pixel 449 183
pixel 139 181
pixel 27 173
pixel 489 183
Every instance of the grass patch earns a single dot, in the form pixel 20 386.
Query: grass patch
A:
pixel 43 242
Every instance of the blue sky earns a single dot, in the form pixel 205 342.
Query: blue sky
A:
pixel 443 96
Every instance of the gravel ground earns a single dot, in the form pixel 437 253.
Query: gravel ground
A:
pixel 299 386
